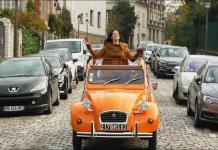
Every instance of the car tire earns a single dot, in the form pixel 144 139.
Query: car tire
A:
pixel 70 89
pixel 81 77
pixel 176 96
pixel 158 74
pixel 197 121
pixel 152 143
pixel 50 106
pixel 57 102
pixel 77 141
pixel 189 110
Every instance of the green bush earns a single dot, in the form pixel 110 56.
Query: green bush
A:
pixel 31 42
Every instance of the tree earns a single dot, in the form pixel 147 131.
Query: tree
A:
pixel 52 23
pixel 123 19
pixel 65 23
pixel 5 13
pixel 30 7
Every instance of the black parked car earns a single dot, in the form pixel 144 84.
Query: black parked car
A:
pixel 203 94
pixel 167 58
pixel 64 73
pixel 28 84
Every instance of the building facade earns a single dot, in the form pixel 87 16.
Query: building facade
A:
pixel 156 21
pixel 88 19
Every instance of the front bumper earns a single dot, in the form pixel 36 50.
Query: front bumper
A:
pixel 209 112
pixel 166 70
pixel 31 103
pixel 135 134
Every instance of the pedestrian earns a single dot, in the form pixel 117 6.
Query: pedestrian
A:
pixel 114 51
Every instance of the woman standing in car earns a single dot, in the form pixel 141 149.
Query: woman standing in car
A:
pixel 114 52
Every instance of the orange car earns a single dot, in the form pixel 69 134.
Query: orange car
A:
pixel 117 103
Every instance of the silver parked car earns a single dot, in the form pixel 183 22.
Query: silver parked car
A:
pixel 184 75
pixel 203 94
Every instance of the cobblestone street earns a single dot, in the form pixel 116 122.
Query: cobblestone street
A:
pixel 53 131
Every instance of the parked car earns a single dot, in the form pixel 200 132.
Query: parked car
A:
pixel 203 94
pixel 185 73
pixel 116 104
pixel 167 58
pixel 148 51
pixel 64 74
pixel 66 55
pixel 77 49
pixel 28 84
pixel 152 58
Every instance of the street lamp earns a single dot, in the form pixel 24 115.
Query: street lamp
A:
pixel 207 6
pixel 58 11
pixel 79 21
pixel 139 24
pixel 87 29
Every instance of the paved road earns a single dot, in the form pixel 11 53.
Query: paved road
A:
pixel 54 132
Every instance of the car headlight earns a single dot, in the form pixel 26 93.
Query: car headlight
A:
pixel 162 62
pixel 61 78
pixel 40 87
pixel 141 107
pixel 209 99
pixel 87 104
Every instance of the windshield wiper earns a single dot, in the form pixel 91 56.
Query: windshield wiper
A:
pixel 112 80
pixel 132 80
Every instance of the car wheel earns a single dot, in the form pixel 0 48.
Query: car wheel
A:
pixel 57 102
pixel 197 121
pixel 176 96
pixel 189 110
pixel 158 74
pixel 50 107
pixel 70 89
pixel 81 77
pixel 77 141
pixel 152 143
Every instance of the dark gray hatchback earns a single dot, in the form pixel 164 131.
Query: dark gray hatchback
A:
pixel 203 94
pixel 27 84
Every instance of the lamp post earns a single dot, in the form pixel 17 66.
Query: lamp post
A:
pixel 207 6
pixel 79 21
pixel 87 29
pixel 58 11
pixel 139 25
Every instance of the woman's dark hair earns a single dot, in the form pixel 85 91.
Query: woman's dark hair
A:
pixel 109 37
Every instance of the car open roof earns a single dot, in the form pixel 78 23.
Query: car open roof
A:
pixel 137 64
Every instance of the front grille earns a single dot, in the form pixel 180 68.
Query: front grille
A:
pixel 113 116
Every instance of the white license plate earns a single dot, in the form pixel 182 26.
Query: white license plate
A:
pixel 114 126
pixel 13 108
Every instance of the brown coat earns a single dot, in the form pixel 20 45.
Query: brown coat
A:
pixel 114 54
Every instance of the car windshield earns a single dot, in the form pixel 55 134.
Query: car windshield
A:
pixel 21 67
pixel 193 64
pixel 63 54
pixel 54 61
pixel 115 76
pixel 73 46
pixel 212 75
pixel 174 52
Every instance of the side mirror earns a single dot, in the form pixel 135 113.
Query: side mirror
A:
pixel 197 79
pixel 75 60
pixel 65 65
pixel 154 85
pixel 158 55
pixel 84 51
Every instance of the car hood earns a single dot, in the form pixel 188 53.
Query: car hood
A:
pixel 122 101
pixel 210 89
pixel 188 76
pixel 58 70
pixel 172 59
pixel 25 84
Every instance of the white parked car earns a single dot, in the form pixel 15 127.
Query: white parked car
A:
pixel 185 74
pixel 65 54
pixel 78 51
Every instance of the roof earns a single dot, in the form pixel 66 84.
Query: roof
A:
pixel 209 57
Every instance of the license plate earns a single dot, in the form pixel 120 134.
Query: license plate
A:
pixel 13 108
pixel 114 126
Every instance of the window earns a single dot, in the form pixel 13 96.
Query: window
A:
pixel 91 18
pixel 99 20
pixel 109 15
pixel 81 18
pixel 1 7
